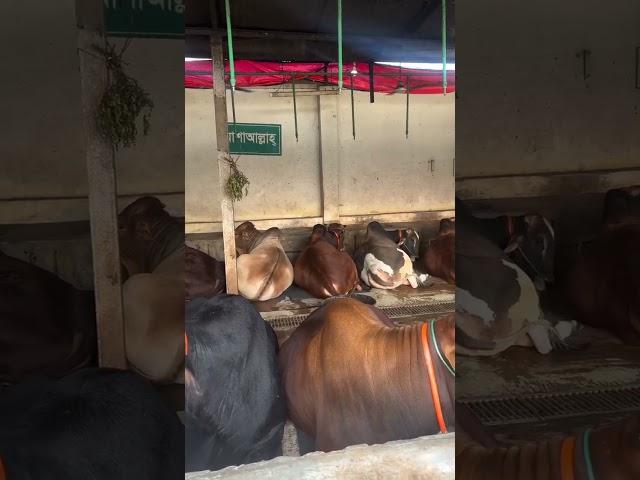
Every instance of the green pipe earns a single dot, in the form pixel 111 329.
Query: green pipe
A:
pixel 232 68
pixel 340 44
pixel 406 127
pixel 444 47
pixel 353 112
pixel 295 108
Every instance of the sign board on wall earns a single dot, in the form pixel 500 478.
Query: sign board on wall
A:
pixel 255 139
pixel 144 18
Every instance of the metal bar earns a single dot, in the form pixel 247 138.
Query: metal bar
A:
pixel 102 179
pixel 295 108
pixel 371 87
pixel 222 141
pixel 586 54
pixel 430 73
pixel 353 112
pixel 233 105
pixel 444 47
pixel 638 68
pixel 340 73
pixel 406 129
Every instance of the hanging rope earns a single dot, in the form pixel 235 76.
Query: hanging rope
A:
pixel 444 47
pixel 232 68
pixel 353 110
pixel 339 44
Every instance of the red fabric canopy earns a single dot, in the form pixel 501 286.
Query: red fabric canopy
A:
pixel 199 74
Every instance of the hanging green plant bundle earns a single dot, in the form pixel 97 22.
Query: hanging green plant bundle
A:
pixel 237 184
pixel 122 103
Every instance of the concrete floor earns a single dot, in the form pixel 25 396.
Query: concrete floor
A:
pixel 519 372
pixel 295 302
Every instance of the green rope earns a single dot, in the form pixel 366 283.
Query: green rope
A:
pixel 340 44
pixel 444 47
pixel 434 340
pixel 232 69
pixel 587 455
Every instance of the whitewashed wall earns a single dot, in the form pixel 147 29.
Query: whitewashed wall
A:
pixel 380 172
pixel 524 107
pixel 43 173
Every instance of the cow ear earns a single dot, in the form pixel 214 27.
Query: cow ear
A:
pixel 514 243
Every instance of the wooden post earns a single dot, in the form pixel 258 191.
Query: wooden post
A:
pixel 102 189
pixel 222 141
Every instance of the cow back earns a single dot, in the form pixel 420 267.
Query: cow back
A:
pixel 235 410
pixel 95 423
pixel 46 325
pixel 324 271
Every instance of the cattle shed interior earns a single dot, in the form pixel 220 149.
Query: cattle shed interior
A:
pixel 349 156
pixel 548 132
pixel 44 204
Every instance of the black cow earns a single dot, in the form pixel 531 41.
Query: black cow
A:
pixel 95 424
pixel 528 239
pixel 235 408
pixel 622 206
pixel 47 327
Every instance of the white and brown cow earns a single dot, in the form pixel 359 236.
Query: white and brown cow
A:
pixel 497 304
pixel 152 253
pixel 385 258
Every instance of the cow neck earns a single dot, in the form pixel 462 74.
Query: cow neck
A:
pixel 167 237
pixel 432 379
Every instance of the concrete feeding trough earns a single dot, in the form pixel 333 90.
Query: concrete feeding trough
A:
pixel 424 458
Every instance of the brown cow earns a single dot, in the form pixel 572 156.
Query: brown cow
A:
pixel 264 270
pixel 612 450
pixel 204 276
pixel 47 327
pixel 603 286
pixel 352 376
pixel 439 257
pixel 323 268
pixel 152 251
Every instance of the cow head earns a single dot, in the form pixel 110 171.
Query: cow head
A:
pixel 409 241
pixel 245 234
pixel 534 242
pixel 138 228
pixel 622 206
pixel 447 225
pixel 333 234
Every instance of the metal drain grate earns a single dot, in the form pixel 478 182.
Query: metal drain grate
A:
pixel 535 408
pixel 294 321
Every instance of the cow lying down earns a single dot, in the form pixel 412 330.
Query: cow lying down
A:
pixel 385 258
pixel 610 452
pixel 94 424
pixel 264 270
pixel 235 410
pixel 47 327
pixel 323 268
pixel 497 304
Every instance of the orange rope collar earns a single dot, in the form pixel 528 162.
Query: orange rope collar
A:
pixel 186 352
pixel 567 454
pixel 431 376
